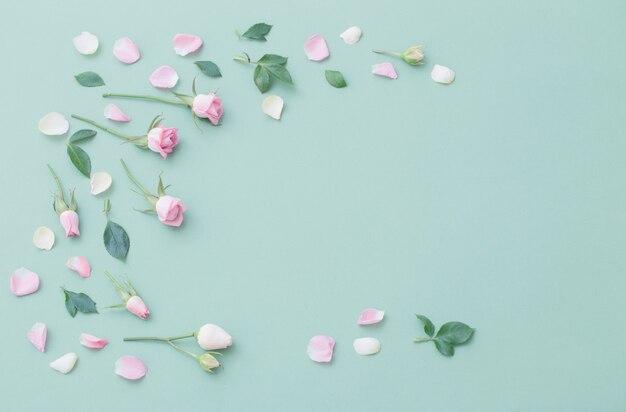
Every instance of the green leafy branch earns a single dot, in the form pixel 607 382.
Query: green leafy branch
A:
pixel 450 334
pixel 267 67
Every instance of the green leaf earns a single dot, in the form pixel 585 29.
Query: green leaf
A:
pixel 279 72
pixel 272 59
pixel 261 78
pixel 257 32
pixel 429 328
pixel 454 333
pixel 116 240
pixel 80 159
pixel 82 135
pixel 444 347
pixel 335 78
pixel 78 302
pixel 89 79
pixel 209 68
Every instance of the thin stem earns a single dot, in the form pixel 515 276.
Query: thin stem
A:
pixel 245 59
pixel 390 53
pixel 193 355
pixel 145 338
pixel 101 127
pixel 191 335
pixel 135 181
pixel 145 97
pixel 420 340
pixel 56 179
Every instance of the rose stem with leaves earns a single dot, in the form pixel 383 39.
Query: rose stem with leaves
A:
pixel 151 198
pixel 106 129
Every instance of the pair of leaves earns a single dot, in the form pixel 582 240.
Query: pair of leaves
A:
pixel 80 159
pixel 78 302
pixel 335 79
pixel 89 79
pixel 257 32
pixel 450 334
pixel 209 68
pixel 270 66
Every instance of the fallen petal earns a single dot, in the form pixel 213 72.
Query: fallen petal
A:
pixel 43 238
pixel 37 336
pixel 65 363
pixel 366 346
pixel 316 48
pixel 320 348
pixel 130 367
pixel 100 182
pixel 92 342
pixel 164 77
pixel 113 112
pixel 24 282
pixel 126 51
pixel 79 264
pixel 351 35
pixel 53 124
pixel 370 316
pixel 273 106
pixel 86 43
pixel 385 70
pixel 186 43
pixel 442 74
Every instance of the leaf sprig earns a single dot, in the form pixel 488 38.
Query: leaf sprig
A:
pixel 80 159
pixel 78 302
pixel 450 334
pixel 256 32
pixel 267 67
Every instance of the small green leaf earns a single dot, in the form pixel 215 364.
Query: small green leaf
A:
pixel 272 59
pixel 257 32
pixel 209 68
pixel 89 79
pixel 78 302
pixel 261 78
pixel 335 78
pixel 444 348
pixel 82 135
pixel 429 328
pixel 279 72
pixel 80 159
pixel 116 240
pixel 454 333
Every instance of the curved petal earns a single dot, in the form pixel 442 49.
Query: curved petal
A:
pixel 86 43
pixel 366 346
pixel 100 182
pixel 79 264
pixel 130 367
pixel 126 51
pixel 186 43
pixel 24 282
pixel 273 106
pixel 53 124
pixel 92 342
pixel 164 77
pixel 352 35
pixel 316 48
pixel 442 74
pixel 37 336
pixel 370 316
pixel 43 238
pixel 320 348
pixel 113 112
pixel 65 363
pixel 385 70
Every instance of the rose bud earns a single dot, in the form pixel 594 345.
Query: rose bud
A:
pixel 208 362
pixel 136 306
pixel 211 337
pixel 67 213
pixel 208 106
pixel 413 55
pixel 162 140
pixel 127 292
pixel 170 211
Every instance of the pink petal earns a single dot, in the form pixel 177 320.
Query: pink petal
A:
pixel 37 336
pixel 126 51
pixel 113 112
pixel 92 342
pixel 130 367
pixel 164 77
pixel 79 264
pixel 316 48
pixel 385 70
pixel 186 43
pixel 370 316
pixel 24 282
pixel 321 348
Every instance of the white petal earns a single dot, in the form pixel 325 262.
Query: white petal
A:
pixel 53 124
pixel 366 346
pixel 65 363
pixel 351 35
pixel 442 74
pixel 273 106
pixel 100 182
pixel 43 238
pixel 86 43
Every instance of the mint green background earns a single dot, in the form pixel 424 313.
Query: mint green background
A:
pixel 498 201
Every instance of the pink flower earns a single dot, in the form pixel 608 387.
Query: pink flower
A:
pixel 130 367
pixel 370 316
pixel 170 211
pixel 321 348
pixel 162 140
pixel 37 336
pixel 92 342
pixel 136 306
pixel 69 221
pixel 79 264
pixel 24 282
pixel 208 106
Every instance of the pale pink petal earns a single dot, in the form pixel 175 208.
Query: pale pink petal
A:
pixel 320 348
pixel 100 182
pixel 164 77
pixel 126 51
pixel 186 43
pixel 53 124
pixel 37 336
pixel 316 48
pixel 130 367
pixel 366 346
pixel 86 43
pixel 370 316
pixel 385 70
pixel 43 238
pixel 65 363
pixel 92 342
pixel 442 74
pixel 113 112
pixel 79 264
pixel 273 106
pixel 24 282
pixel 351 35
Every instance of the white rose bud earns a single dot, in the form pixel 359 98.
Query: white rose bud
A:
pixel 212 337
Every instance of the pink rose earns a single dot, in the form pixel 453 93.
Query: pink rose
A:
pixel 69 221
pixel 208 106
pixel 170 211
pixel 136 306
pixel 162 140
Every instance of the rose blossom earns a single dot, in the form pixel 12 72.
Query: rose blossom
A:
pixel 208 106
pixel 170 211
pixel 212 337
pixel 69 221
pixel 162 140
pixel 137 306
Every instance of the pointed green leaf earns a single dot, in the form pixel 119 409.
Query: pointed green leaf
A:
pixel 272 59
pixel 454 333
pixel 89 79
pixel 279 72
pixel 82 135
pixel 209 68
pixel 78 302
pixel 429 328
pixel 257 32
pixel 116 240
pixel 444 348
pixel 80 159
pixel 261 78
pixel 335 78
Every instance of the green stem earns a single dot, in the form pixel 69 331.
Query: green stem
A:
pixel 244 59
pixel 193 355
pixel 420 340
pixel 58 182
pixel 387 52
pixel 191 335
pixel 145 97
pixel 145 338
pixel 101 127
pixel 135 181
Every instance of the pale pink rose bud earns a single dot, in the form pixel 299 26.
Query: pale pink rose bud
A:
pixel 79 264
pixel 170 210
pixel 69 221
pixel 162 140
pixel 413 55
pixel 208 362
pixel 212 337
pixel 92 342
pixel 208 106
pixel 136 306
